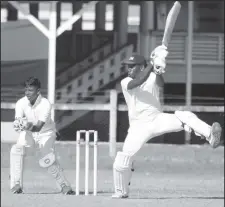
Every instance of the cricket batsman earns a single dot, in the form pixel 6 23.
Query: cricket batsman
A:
pixel 35 127
pixel 141 90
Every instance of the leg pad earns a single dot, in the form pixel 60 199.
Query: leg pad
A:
pixel 122 172
pixel 50 163
pixel 17 154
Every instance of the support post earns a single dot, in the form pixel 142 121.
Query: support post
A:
pixel 120 27
pixel 58 13
pixel 100 12
pixel 77 6
pixel 31 18
pixel 113 123
pixel 52 55
pixel 189 46
pixel 12 13
pixel 222 16
pixel 76 39
pixel 34 7
pixel 52 34
pixel 74 18
pixel 146 24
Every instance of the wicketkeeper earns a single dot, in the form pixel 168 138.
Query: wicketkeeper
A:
pixel 35 127
pixel 141 90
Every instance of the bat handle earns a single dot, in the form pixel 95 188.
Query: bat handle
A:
pixel 164 45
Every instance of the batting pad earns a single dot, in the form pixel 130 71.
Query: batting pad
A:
pixel 17 154
pixel 122 172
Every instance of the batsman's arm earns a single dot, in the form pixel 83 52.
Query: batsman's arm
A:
pixel 160 83
pixel 141 78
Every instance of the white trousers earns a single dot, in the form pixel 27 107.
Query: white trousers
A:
pixel 141 132
pixel 44 142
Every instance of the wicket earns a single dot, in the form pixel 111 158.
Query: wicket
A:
pixel 87 144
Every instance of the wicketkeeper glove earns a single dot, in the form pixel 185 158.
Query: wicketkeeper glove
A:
pixel 158 59
pixel 21 124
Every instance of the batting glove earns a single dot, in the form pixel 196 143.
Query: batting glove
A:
pixel 158 59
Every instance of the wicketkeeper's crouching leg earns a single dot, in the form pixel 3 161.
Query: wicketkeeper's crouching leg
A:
pixel 17 154
pixel 50 163
pixel 47 160
pixel 122 171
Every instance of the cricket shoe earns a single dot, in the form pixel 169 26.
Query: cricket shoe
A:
pixel 66 190
pixel 214 138
pixel 17 189
pixel 120 195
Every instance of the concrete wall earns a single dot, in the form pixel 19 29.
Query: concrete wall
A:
pixel 20 40
pixel 8 134
pixel 16 72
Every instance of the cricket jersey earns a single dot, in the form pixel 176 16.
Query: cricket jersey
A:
pixel 40 111
pixel 143 102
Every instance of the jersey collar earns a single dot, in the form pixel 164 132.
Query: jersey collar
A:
pixel 38 100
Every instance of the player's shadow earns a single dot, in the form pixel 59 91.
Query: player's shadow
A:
pixel 41 193
pixel 99 193
pixel 57 192
pixel 182 197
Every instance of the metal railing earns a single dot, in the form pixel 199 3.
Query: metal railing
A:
pixel 113 107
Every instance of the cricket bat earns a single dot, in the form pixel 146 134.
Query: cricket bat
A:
pixel 170 23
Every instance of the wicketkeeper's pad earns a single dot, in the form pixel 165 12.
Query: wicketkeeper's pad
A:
pixel 50 163
pixel 17 154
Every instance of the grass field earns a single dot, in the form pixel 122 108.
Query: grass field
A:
pixel 165 175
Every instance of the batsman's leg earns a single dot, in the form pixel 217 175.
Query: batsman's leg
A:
pixel 138 134
pixel 48 161
pixel 188 121
pixel 163 123
pixel 211 133
pixel 123 164
pixel 122 174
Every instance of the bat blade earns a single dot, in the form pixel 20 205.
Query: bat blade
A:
pixel 170 23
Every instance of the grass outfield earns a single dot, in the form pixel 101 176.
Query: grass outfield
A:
pixel 165 175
